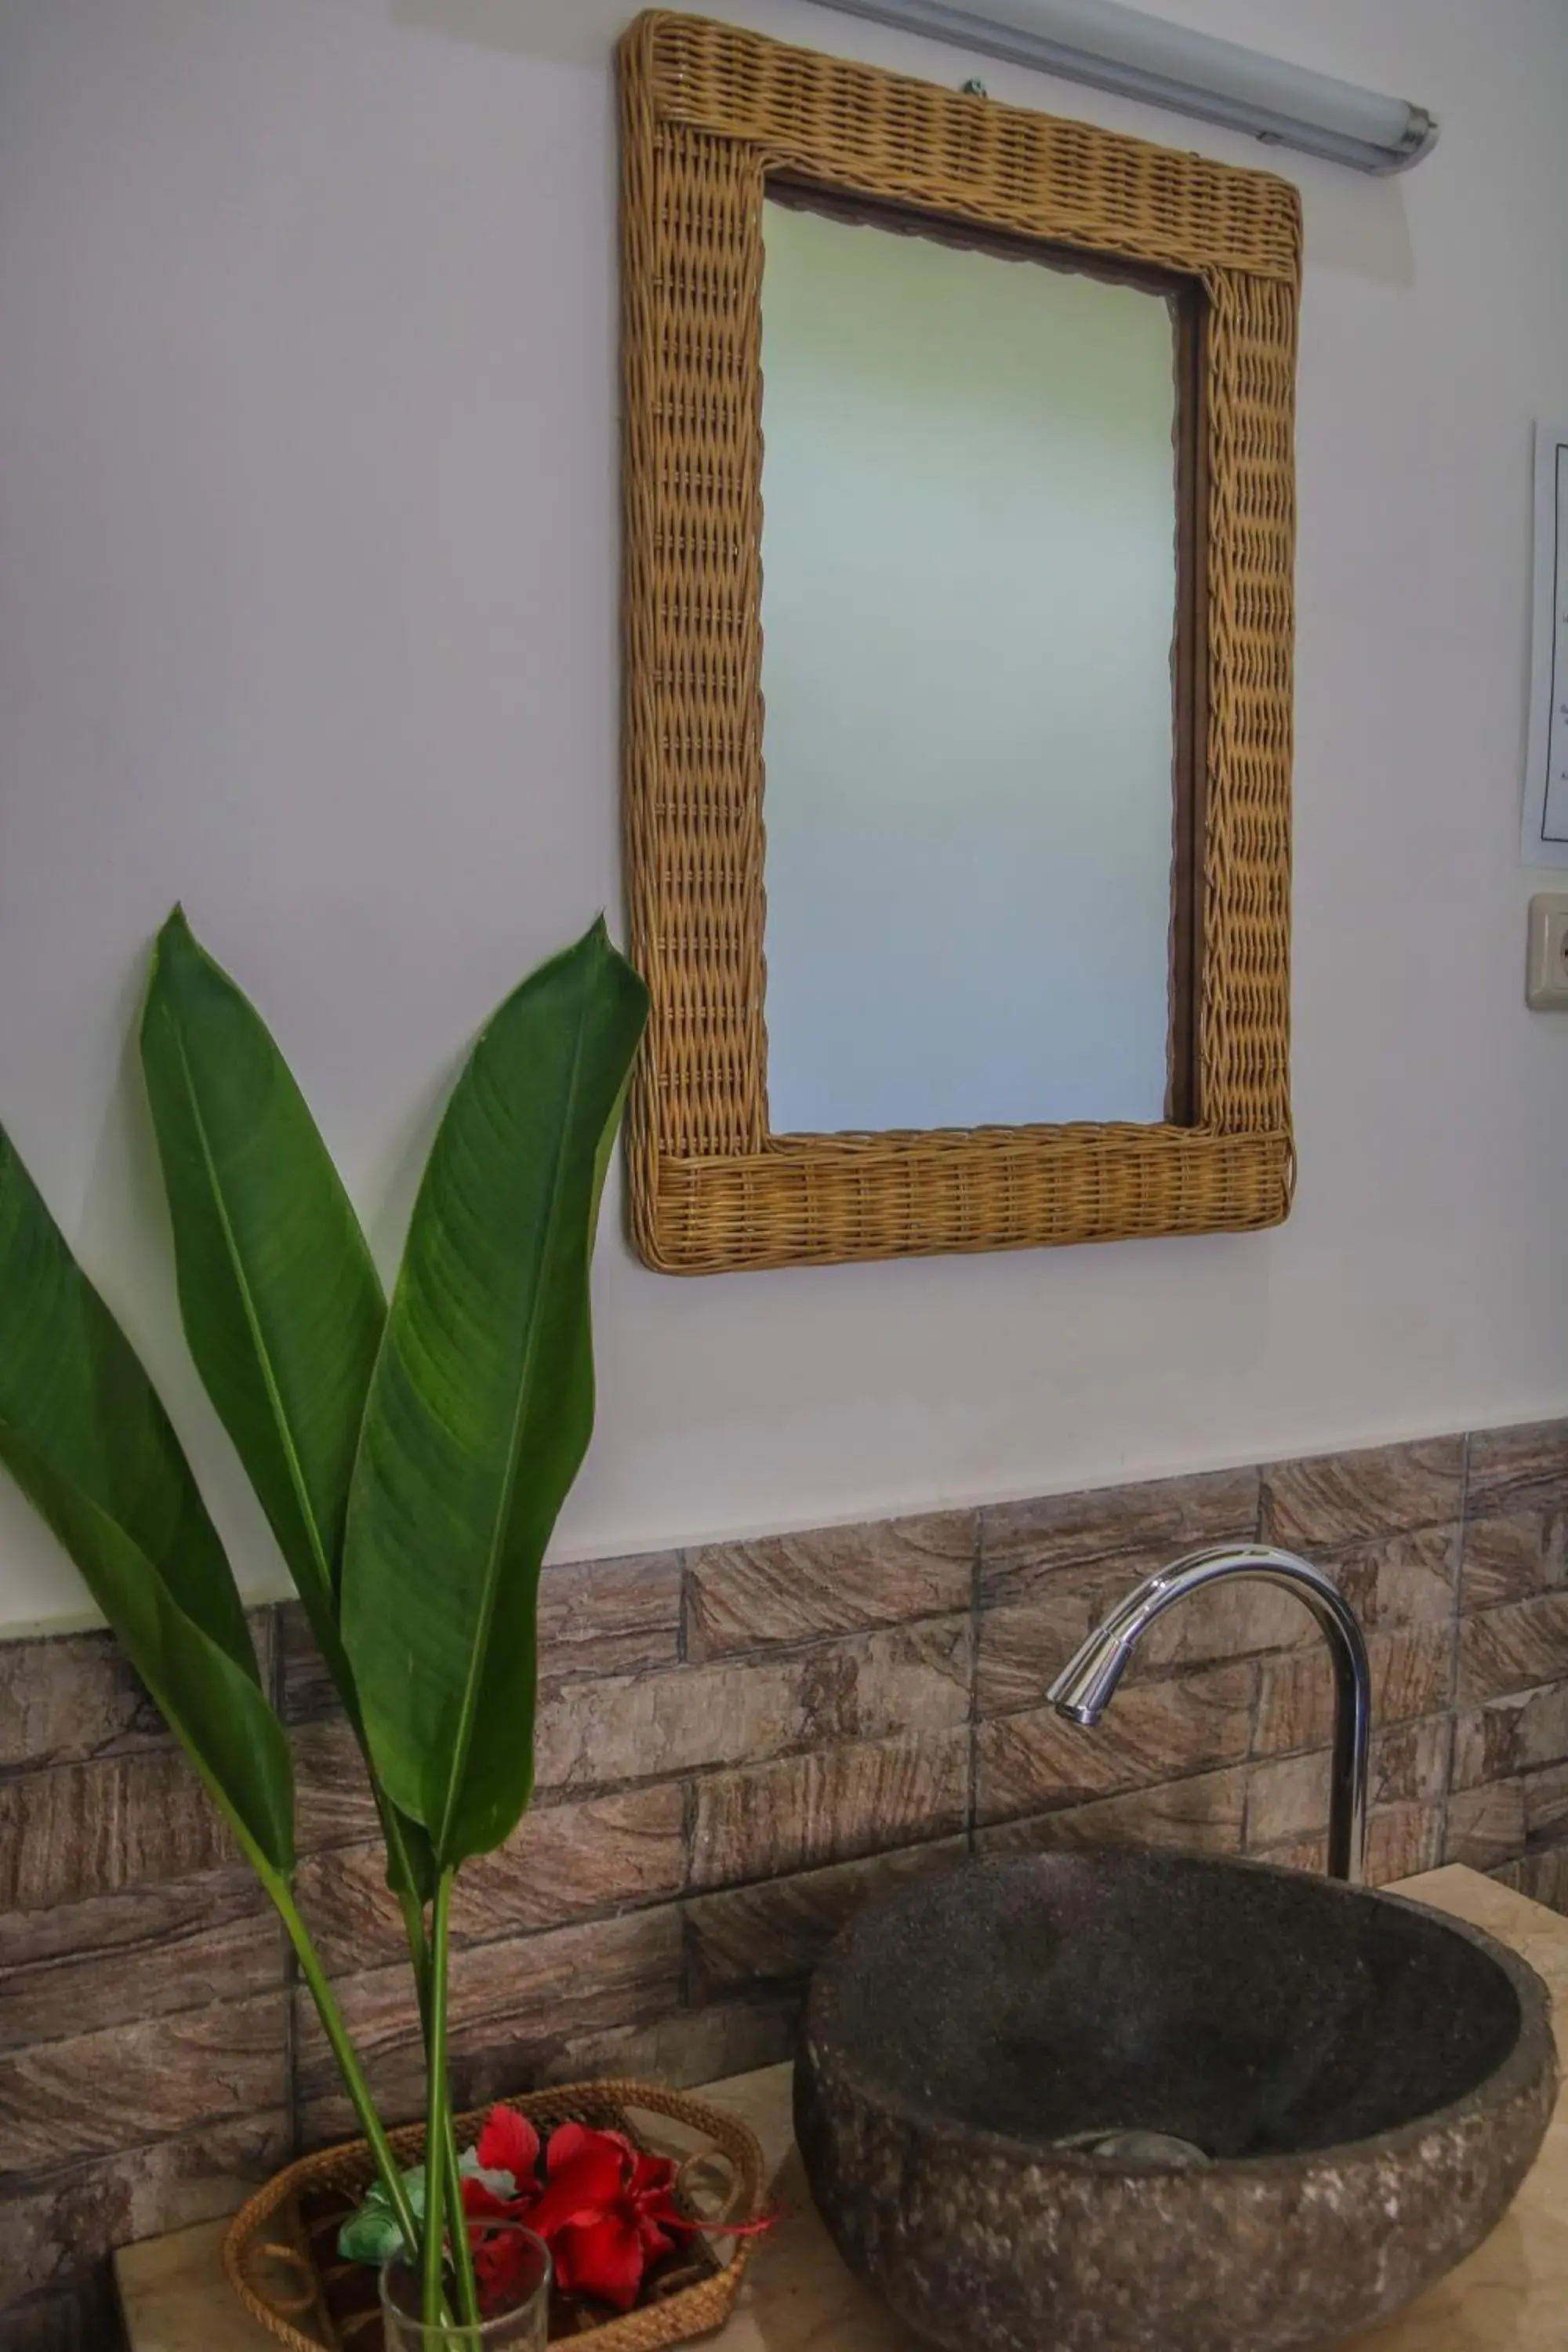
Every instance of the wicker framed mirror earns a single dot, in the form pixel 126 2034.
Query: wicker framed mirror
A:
pixel 716 124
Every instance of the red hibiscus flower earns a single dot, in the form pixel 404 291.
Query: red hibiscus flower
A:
pixel 607 2213
pixel 604 2209
pixel 509 2143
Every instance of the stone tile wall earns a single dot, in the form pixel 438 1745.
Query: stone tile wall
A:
pixel 737 1745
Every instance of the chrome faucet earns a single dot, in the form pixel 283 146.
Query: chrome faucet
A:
pixel 1084 1688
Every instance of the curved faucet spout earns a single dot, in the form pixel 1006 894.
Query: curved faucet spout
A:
pixel 1087 1683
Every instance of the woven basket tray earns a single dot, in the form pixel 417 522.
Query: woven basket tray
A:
pixel 281 2253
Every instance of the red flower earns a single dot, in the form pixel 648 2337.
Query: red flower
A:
pixel 602 2249
pixel 603 2210
pixel 502 2268
pixel 509 2143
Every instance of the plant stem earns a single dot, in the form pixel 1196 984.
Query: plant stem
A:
pixel 462 2253
pixel 401 1876
pixel 437 2107
pixel 344 2050
pixel 418 1953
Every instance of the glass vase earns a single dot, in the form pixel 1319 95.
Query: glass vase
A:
pixel 515 2320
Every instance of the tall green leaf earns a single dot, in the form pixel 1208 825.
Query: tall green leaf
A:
pixel 85 1436
pixel 482 1400
pixel 281 1298
pixel 281 1303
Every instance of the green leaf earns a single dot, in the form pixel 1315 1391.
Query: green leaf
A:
pixel 372 2235
pixel 281 1303
pixel 84 1435
pixel 482 1401
pixel 282 1306
pixel 72 1389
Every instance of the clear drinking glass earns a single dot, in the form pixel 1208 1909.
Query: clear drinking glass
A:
pixel 517 2320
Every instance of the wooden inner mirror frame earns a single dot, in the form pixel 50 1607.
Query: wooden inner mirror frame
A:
pixel 714 120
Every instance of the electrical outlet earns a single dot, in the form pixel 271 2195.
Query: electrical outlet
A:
pixel 1546 972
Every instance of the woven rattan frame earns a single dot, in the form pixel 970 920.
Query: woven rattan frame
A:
pixel 708 112
pixel 265 2236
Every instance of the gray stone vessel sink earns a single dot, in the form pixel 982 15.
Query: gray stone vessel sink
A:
pixel 1128 2102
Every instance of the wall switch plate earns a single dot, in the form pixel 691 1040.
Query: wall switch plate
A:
pixel 1546 971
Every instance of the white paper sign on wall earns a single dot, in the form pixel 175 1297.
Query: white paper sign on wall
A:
pixel 1545 840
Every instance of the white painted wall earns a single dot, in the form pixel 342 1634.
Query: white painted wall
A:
pixel 308 521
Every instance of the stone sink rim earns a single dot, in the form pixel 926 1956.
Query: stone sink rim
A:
pixel 1512 2078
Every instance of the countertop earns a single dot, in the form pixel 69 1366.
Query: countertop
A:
pixel 1510 2296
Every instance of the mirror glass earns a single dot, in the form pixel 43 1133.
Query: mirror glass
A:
pixel 971 490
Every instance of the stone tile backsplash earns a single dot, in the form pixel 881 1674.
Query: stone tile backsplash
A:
pixel 737 1746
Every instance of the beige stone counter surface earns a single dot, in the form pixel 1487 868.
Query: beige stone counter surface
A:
pixel 1511 2297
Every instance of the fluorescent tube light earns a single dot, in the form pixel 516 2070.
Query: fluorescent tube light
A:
pixel 1141 57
